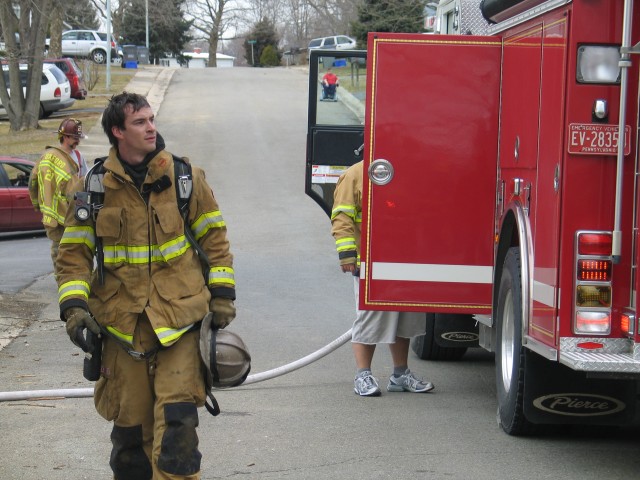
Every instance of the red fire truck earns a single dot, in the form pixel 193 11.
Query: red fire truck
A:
pixel 501 197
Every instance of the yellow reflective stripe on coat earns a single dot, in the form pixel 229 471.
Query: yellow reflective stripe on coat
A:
pixel 206 222
pixel 84 235
pixel 52 212
pixel 73 288
pixel 169 336
pixel 123 337
pixel 344 244
pixel 348 210
pixel 142 254
pixel 174 248
pixel 221 275
pixel 128 254
pixel 49 161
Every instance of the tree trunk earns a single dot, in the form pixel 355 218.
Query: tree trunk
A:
pixel 23 109
pixel 55 45
pixel 213 48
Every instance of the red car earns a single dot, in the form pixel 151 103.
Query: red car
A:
pixel 16 211
pixel 73 73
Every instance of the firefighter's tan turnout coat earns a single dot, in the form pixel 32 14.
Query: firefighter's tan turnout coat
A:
pixel 149 264
pixel 48 185
pixel 346 216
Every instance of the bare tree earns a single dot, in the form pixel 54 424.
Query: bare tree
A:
pixel 297 24
pixel 55 41
pixel 332 17
pixel 257 10
pixel 23 108
pixel 297 21
pixel 212 18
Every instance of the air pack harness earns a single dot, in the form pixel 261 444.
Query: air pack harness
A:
pixel 88 204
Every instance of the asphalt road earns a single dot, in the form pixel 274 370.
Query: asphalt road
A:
pixel 246 128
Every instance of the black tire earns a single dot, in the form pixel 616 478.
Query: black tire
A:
pixel 41 112
pixel 510 356
pixel 99 56
pixel 426 348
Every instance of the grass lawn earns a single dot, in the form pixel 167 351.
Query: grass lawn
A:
pixel 31 144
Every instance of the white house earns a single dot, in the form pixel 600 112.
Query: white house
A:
pixel 197 59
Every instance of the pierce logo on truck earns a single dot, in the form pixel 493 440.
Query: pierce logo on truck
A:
pixel 579 404
pixel 460 336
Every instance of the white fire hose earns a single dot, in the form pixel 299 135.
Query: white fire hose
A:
pixel 258 377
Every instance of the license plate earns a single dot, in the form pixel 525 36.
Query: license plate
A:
pixel 597 139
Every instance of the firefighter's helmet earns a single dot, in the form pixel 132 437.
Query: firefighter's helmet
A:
pixel 70 127
pixel 224 354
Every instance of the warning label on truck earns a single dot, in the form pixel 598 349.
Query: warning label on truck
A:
pixel 597 139
pixel 326 173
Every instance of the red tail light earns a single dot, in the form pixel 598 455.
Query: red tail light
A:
pixel 57 93
pixel 594 270
pixel 594 244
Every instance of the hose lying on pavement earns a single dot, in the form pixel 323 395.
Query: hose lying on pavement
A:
pixel 258 377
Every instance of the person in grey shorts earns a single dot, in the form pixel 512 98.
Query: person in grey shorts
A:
pixel 372 327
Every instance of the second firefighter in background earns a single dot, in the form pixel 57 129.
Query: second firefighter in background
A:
pixel 152 298
pixel 371 327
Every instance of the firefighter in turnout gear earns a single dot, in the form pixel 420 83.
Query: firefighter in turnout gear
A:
pixel 148 294
pixel 54 176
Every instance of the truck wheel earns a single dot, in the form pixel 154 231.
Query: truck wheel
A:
pixel 509 350
pixel 99 56
pixel 426 348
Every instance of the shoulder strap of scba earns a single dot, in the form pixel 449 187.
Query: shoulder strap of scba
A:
pixel 94 184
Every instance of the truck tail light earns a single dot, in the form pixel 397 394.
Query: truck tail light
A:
pixel 595 243
pixel 628 323
pixel 594 270
pixel 593 292
pixel 593 323
pixel 57 92
pixel 592 296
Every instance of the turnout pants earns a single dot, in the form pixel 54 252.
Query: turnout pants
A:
pixel 153 404
pixel 55 235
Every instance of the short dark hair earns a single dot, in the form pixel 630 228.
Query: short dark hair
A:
pixel 114 114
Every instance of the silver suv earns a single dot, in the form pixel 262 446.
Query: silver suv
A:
pixel 335 42
pixel 86 43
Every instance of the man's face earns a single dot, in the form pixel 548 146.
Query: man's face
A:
pixel 70 142
pixel 138 137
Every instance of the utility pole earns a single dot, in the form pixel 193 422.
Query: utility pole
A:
pixel 108 45
pixel 146 12
pixel 252 43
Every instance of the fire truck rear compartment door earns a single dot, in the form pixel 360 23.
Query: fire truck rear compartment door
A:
pixel 432 113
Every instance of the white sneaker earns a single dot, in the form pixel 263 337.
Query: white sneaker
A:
pixel 408 383
pixel 366 385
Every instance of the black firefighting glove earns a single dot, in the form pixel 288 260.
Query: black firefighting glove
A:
pixel 224 311
pixel 77 320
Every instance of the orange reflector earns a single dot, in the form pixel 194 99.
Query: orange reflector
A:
pixel 595 244
pixel 590 345
pixel 625 323
pixel 594 270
